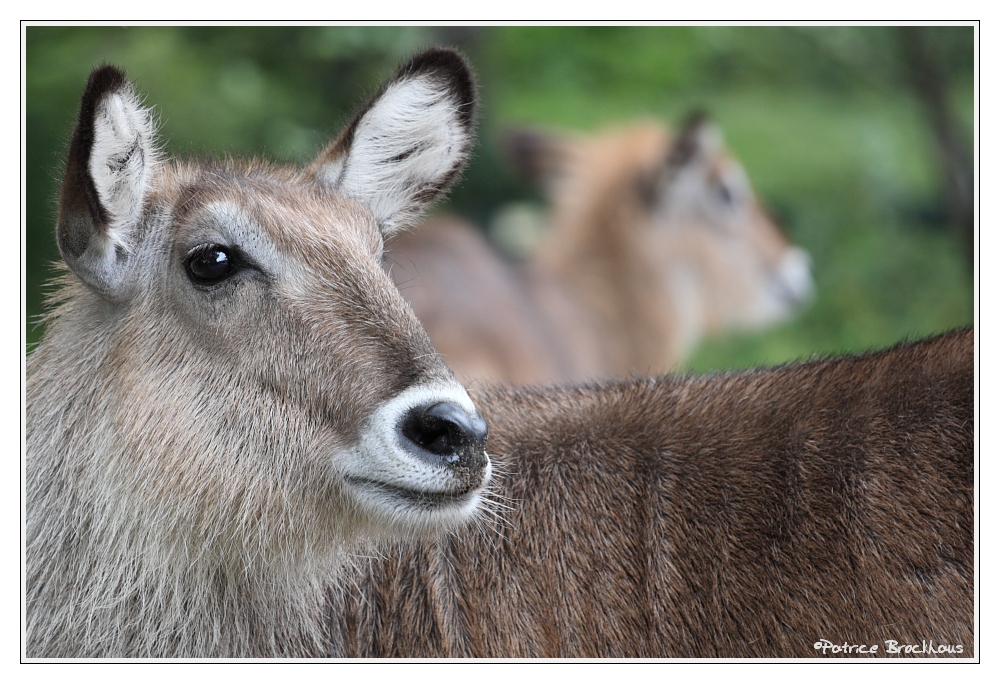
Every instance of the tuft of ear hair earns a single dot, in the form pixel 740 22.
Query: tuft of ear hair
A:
pixel 699 137
pixel 109 169
pixel 409 143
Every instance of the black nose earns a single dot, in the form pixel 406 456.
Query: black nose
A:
pixel 445 434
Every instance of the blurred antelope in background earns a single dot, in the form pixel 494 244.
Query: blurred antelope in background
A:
pixel 654 243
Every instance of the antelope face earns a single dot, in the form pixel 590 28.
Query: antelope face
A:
pixel 745 272
pixel 264 369
pixel 679 215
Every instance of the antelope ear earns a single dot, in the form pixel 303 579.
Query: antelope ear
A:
pixel 111 161
pixel 407 145
pixel 699 140
pixel 540 157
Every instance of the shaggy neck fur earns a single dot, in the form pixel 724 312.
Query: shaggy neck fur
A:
pixel 117 569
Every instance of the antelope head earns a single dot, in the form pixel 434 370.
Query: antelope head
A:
pixel 247 359
pixel 669 224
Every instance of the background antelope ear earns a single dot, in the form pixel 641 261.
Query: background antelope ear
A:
pixel 112 157
pixel 698 140
pixel 541 157
pixel 405 148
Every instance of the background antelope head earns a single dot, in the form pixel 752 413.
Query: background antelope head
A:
pixel 747 272
pixel 662 233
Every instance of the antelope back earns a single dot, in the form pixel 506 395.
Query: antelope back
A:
pixel 231 386
pixel 491 319
pixel 767 513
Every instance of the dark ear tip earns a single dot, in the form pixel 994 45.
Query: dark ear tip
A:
pixel 687 145
pixel 105 78
pixel 437 59
pixel 449 66
pixel 523 149
pixel 518 139
pixel 695 119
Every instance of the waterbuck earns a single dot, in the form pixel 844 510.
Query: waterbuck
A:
pixel 240 442
pixel 231 395
pixel 655 242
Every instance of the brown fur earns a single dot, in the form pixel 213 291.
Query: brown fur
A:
pixel 743 515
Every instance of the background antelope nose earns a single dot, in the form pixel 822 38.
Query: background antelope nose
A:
pixel 443 433
pixel 795 273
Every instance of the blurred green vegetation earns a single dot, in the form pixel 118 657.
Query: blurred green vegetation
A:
pixel 825 119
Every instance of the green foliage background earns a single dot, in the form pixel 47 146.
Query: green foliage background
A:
pixel 824 119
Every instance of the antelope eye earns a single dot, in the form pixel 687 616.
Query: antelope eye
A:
pixel 725 194
pixel 209 264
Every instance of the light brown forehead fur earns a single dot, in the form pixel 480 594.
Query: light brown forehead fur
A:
pixel 302 219
pixel 603 162
pixel 611 157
